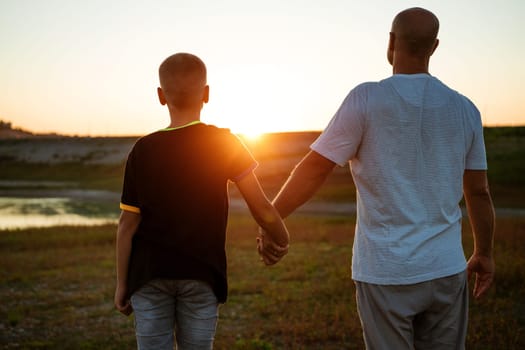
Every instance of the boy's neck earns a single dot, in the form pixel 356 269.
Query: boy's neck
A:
pixel 180 118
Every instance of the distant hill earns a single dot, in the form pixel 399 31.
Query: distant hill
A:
pixel 98 162
pixel 7 131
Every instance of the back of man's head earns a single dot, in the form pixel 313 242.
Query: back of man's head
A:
pixel 182 79
pixel 416 31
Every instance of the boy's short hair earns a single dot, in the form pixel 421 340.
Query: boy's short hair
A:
pixel 182 78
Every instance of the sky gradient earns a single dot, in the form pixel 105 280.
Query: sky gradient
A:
pixel 90 67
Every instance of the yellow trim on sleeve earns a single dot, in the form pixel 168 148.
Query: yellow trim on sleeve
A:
pixel 129 208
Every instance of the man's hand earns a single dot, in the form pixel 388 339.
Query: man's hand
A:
pixel 121 303
pixel 483 268
pixel 482 220
pixel 269 251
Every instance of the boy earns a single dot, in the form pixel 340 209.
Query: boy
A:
pixel 171 261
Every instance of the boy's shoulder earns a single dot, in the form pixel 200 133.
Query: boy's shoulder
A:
pixel 201 130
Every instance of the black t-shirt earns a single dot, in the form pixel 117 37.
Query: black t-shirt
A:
pixel 178 180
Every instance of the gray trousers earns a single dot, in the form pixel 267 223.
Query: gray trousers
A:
pixel 428 315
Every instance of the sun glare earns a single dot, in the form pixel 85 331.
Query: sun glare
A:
pixel 252 136
pixel 249 100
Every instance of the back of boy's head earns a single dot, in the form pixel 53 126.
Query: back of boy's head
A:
pixel 182 78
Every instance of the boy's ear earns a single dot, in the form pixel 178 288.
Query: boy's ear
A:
pixel 162 98
pixel 206 95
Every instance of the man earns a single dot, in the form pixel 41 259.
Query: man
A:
pixel 415 147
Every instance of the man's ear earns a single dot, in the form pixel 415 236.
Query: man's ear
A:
pixel 391 41
pixel 162 98
pixel 436 44
pixel 390 49
pixel 206 94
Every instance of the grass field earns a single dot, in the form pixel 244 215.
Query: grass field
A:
pixel 56 284
pixel 56 287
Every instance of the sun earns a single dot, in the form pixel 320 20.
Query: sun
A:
pixel 252 136
pixel 249 99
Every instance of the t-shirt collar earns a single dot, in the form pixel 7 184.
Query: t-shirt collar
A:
pixel 182 126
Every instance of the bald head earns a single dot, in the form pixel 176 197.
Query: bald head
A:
pixel 182 79
pixel 415 31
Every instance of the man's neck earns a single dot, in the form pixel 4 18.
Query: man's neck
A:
pixel 410 65
pixel 411 70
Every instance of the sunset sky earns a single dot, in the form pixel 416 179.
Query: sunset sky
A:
pixel 90 67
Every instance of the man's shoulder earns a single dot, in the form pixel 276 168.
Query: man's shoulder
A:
pixel 466 101
pixel 364 86
pixel 449 89
pixel 363 89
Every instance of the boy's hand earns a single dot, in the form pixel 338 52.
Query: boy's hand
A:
pixel 269 251
pixel 121 303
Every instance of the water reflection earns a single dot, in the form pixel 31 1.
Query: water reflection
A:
pixel 24 212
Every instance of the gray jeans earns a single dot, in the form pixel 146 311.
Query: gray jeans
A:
pixel 188 307
pixel 429 315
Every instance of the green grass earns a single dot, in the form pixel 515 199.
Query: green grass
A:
pixel 74 174
pixel 56 284
pixel 56 287
pixel 506 161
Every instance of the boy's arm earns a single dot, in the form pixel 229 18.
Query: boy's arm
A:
pixel 128 224
pixel 266 216
pixel 482 220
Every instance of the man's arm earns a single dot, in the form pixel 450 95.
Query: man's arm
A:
pixel 266 216
pixel 303 183
pixel 482 219
pixel 128 224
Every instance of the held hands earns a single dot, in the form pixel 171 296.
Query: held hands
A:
pixel 270 251
pixel 483 268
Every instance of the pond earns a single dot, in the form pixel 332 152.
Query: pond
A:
pixel 43 204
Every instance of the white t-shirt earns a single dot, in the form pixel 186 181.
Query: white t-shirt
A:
pixel 409 139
